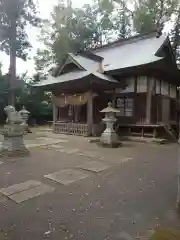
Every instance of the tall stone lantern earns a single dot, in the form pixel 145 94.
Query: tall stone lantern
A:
pixel 24 116
pixel 109 136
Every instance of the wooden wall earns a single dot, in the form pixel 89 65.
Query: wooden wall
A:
pixel 163 102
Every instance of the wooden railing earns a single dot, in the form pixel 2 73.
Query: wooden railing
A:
pixel 71 128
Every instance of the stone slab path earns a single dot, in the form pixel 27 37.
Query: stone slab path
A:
pixel 31 193
pixel 94 166
pixel 19 187
pixel 67 176
pixel 24 191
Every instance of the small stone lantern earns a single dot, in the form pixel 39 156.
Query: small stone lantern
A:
pixel 109 136
pixel 24 116
pixel 13 144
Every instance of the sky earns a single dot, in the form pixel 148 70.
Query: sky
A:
pixel 45 8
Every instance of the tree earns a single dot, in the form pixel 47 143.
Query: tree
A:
pixel 15 15
pixel 36 101
pixel 148 14
pixel 76 29
pixel 123 19
pixel 175 35
pixel 68 30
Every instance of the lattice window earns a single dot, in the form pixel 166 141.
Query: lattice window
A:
pixel 142 84
pixel 125 105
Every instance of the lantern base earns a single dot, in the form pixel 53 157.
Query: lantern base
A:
pixel 110 139
pixel 13 144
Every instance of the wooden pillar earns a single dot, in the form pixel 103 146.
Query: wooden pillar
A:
pixel 90 113
pixel 54 114
pixel 150 88
pixel 114 99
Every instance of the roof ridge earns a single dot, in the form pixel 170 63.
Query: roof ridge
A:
pixel 90 55
pixel 125 41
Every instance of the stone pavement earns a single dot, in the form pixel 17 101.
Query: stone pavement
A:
pixel 72 189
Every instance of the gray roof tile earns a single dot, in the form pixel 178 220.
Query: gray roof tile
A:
pixel 129 54
pixel 119 55
pixel 73 76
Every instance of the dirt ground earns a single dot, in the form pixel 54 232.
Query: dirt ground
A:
pixel 96 193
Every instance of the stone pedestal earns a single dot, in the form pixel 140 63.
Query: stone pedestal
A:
pixel 24 116
pixel 109 136
pixel 13 143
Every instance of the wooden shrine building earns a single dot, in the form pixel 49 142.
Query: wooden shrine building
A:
pixel 138 75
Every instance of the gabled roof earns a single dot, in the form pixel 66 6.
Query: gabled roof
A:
pixel 86 63
pixel 135 51
pixel 77 75
pixel 132 52
pixel 87 67
pixel 69 59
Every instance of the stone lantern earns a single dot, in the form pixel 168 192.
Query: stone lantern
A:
pixel 109 136
pixel 13 144
pixel 24 116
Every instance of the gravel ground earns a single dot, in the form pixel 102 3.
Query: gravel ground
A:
pixel 135 194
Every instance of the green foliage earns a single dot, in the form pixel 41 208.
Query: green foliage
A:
pixel 148 13
pixel 15 15
pixel 75 29
pixel 35 100
pixel 123 20
pixel 175 35
pixel 166 234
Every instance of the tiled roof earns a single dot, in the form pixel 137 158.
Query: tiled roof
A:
pixel 123 54
pixel 132 52
pixel 73 76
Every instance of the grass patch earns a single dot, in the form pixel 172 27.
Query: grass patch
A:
pixel 3 236
pixel 159 141
pixel 166 234
pixel 12 154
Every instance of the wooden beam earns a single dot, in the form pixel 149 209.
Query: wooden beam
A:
pixel 150 88
pixel 90 113
pixel 54 114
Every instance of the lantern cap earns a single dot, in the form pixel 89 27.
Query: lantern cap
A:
pixel 110 109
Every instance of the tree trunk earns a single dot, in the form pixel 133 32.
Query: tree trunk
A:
pixel 12 66
pixel 12 79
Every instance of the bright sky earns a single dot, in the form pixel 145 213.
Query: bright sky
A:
pixel 46 7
